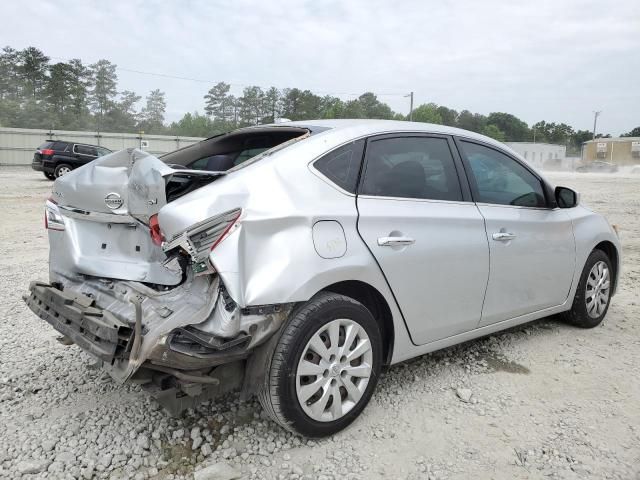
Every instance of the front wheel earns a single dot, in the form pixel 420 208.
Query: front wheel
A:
pixel 593 294
pixel 325 366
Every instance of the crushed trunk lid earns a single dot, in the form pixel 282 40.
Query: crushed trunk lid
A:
pixel 106 207
pixel 128 182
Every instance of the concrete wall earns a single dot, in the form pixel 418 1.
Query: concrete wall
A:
pixel 621 150
pixel 542 155
pixel 17 145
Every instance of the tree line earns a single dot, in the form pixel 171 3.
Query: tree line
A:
pixel 38 93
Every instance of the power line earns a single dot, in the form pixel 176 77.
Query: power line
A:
pixel 240 85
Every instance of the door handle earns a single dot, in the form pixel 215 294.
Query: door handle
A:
pixel 503 236
pixel 395 241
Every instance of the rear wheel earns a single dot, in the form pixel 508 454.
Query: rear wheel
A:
pixel 50 176
pixel 61 170
pixel 325 366
pixel 593 294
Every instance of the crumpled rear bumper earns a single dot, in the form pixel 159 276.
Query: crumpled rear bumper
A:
pixel 186 331
pixel 75 316
pixel 178 374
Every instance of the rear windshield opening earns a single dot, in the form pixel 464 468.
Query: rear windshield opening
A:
pixel 224 152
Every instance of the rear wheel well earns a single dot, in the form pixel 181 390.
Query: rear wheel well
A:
pixel 373 300
pixel 610 250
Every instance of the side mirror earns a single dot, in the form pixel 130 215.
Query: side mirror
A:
pixel 566 198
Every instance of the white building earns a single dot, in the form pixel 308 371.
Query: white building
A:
pixel 541 156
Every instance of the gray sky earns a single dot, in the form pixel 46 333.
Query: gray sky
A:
pixel 554 60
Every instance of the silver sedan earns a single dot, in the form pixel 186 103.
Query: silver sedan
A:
pixel 295 260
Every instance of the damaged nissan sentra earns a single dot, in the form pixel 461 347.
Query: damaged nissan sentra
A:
pixel 295 260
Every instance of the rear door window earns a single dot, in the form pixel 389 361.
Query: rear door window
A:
pixel 86 150
pixel 411 167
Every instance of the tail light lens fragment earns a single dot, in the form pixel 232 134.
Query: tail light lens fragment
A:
pixel 154 230
pixel 200 239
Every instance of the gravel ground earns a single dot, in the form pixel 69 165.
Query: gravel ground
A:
pixel 542 401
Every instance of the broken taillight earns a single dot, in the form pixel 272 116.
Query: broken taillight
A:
pixel 53 219
pixel 154 230
pixel 200 239
pixel 231 222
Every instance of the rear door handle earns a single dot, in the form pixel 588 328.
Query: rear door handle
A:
pixel 503 236
pixel 395 241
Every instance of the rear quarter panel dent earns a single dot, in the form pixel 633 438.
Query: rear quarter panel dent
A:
pixel 270 257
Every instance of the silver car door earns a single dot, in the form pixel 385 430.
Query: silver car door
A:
pixel 425 233
pixel 532 248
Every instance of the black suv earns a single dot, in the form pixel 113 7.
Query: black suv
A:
pixel 55 158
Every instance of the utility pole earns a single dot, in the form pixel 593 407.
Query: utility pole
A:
pixel 595 122
pixel 410 106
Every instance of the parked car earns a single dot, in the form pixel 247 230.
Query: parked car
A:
pixel 598 166
pixel 56 158
pixel 295 260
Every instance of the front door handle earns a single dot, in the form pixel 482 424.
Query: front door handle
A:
pixel 395 241
pixel 503 236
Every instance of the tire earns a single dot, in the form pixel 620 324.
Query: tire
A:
pixel 288 373
pixel 49 176
pixel 584 312
pixel 62 169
